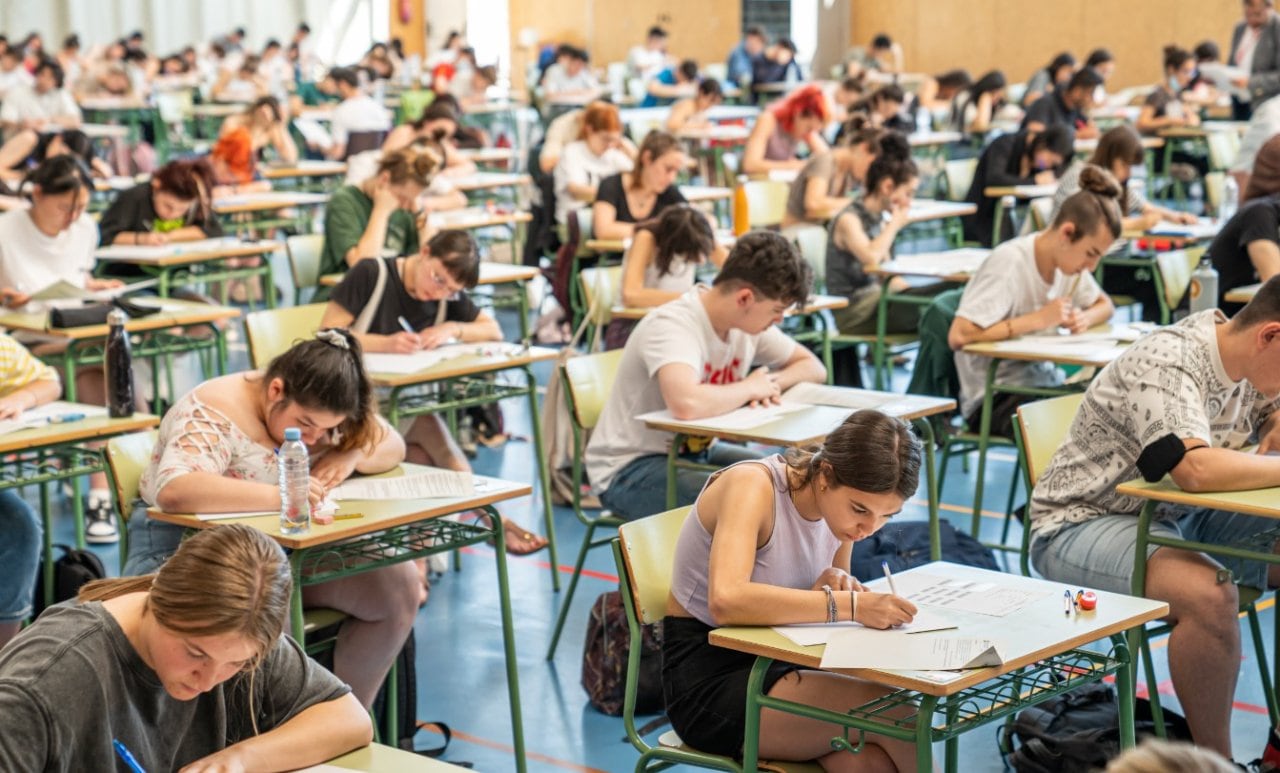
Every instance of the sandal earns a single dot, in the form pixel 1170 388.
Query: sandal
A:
pixel 519 540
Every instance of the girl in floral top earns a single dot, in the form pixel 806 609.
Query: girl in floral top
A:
pixel 216 453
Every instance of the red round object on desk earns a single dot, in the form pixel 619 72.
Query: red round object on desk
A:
pixel 1088 600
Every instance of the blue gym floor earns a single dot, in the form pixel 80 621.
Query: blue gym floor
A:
pixel 461 678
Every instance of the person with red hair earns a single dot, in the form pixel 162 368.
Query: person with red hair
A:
pixel 780 130
pixel 595 155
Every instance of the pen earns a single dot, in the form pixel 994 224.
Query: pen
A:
pixel 1066 603
pixel 347 516
pixel 893 588
pixel 129 761
pixel 64 418
pixel 404 325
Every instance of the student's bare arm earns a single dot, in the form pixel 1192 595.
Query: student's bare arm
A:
pixel 803 365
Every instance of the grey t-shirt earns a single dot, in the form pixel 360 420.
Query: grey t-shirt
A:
pixel 72 682
pixel 822 166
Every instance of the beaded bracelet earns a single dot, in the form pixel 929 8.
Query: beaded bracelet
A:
pixel 831 604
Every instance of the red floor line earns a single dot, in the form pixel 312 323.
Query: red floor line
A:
pixel 563 568
pixel 1166 688
pixel 497 745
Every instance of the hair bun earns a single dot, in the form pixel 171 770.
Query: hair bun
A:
pixel 895 146
pixel 1099 181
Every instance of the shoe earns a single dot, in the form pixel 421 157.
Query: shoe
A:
pixel 100 523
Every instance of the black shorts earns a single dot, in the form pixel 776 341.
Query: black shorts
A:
pixel 705 687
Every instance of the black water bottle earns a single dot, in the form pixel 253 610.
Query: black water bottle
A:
pixel 117 365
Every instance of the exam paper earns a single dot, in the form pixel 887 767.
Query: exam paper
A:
pixel 430 484
pixel 809 634
pixel 984 598
pixel 742 419
pixel 63 290
pixel 867 648
pixel 380 362
pixel 148 251
pixel 58 410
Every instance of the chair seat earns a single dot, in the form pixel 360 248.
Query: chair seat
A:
pixel 320 618
pixel 671 740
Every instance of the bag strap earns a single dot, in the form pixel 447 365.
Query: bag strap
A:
pixel 362 323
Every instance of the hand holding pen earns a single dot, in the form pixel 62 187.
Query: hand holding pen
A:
pixel 407 341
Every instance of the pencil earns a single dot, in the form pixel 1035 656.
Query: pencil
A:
pixel 347 516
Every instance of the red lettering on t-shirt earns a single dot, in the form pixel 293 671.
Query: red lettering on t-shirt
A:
pixel 726 375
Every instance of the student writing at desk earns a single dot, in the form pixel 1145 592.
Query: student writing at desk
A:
pixel 711 351
pixel 691 112
pixel 1032 284
pixel 361 221
pixel 661 263
pixel 25 383
pixel 976 106
pixel 52 242
pixel 174 206
pixel 428 292
pixel 1182 401
pixel 1067 105
pixel 1247 249
pixel 186 668
pixel 768 542
pixel 1163 107
pixel 827 180
pixel 1055 75
pixel 216 453
pixel 28 148
pixel 780 129
pixel 1024 158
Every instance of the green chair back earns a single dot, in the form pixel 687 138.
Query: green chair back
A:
pixel 1042 427
pixel 959 176
pixel 588 380
pixel 304 262
pixel 811 241
pixel 648 552
pixel 1175 269
pixel 766 202
pixel 274 331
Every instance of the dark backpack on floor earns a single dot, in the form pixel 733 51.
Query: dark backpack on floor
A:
pixel 906 545
pixel 1078 731
pixel 73 569
pixel 604 659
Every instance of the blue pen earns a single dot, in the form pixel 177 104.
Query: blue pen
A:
pixel 130 762
pixel 66 417
pixel 404 324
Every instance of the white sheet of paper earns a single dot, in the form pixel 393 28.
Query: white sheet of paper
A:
pixel 1205 228
pixel 379 362
pixel 984 598
pixel 867 648
pixel 429 484
pixel 54 412
pixel 741 419
pixel 62 290
pixel 313 133
pixel 809 634
pixel 162 250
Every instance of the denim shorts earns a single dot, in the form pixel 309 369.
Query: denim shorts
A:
pixel 639 489
pixel 151 543
pixel 21 533
pixel 1098 553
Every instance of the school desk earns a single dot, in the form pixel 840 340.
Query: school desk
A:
pixel 206 119
pixel 1264 503
pixel 56 452
pixel 475 380
pixel 181 264
pixel 379 758
pixel 488 181
pixel 1242 294
pixel 1044 653
pixel 811 425
pixel 392 531
pixel 156 338
pixel 130 112
pixel 1022 196
pixel 723 237
pixel 265 209
pixel 315 176
pixel 1088 353
pixel 491 273
pixel 489 156
pixel 707 145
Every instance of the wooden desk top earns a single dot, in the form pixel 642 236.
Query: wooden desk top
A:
pixel 471 218
pixel 184 253
pixel 379 514
pixel 267 201
pixel 499 106
pixel 104 130
pixel 491 273
pixel 695 194
pixel 1204 129
pixel 717 132
pixel 377 758
pixel 813 423
pixel 1037 631
pixel 1023 192
pixel 14 202
pixel 218 109
pixel 950 265
pixel 304 168
pixel 1263 502
pixel 469 365
pixel 724 237
pixel 1060 350
pixel 487 155
pixel 1242 294
pixel 174 313
pixel 816 304
pixel 932 138
pixel 1091 144
pixel 82 430
pixel 923 210
pixel 479 181
pixel 105 104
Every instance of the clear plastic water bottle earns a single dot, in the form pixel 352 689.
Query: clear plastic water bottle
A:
pixel 295 473
pixel 1204 286
pixel 1230 199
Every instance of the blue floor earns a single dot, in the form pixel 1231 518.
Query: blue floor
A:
pixel 461 677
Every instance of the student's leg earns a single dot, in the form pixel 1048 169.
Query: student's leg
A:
pixel 639 489
pixel 790 737
pixel 151 542
pixel 20 146
pixel 382 605
pixel 1204 648
pixel 19 561
pixel 428 441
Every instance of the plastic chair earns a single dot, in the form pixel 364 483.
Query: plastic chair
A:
pixel 811 242
pixel 1039 429
pixel 127 456
pixel 601 289
pixel 1174 269
pixel 644 552
pixel 957 178
pixel 766 203
pixel 274 331
pixel 304 262
pixel 1038 212
pixel 587 382
pixel 1224 146
pixel 359 142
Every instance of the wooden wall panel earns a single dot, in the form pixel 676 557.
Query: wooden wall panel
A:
pixel 1019 36
pixel 412 32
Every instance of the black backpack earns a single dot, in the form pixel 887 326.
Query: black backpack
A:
pixel 604 659
pixel 73 569
pixel 1077 731
pixel 906 545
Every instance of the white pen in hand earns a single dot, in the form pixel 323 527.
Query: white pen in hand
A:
pixel 888 575
pixel 405 326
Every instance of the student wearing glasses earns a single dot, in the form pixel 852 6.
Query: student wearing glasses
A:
pixel 406 304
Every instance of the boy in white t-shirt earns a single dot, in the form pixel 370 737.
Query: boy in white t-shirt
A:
pixel 1036 284
pixel 713 350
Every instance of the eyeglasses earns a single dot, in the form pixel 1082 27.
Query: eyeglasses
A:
pixel 442 282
